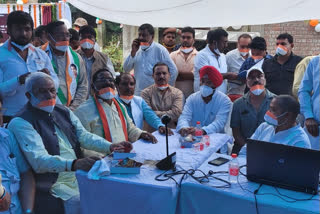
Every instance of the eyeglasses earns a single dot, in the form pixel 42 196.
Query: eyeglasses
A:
pixel 104 80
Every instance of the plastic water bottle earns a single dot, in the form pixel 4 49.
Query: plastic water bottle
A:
pixel 198 133
pixel 233 169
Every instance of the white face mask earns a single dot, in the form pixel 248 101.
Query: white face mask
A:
pixel 281 50
pixel 216 50
pixel 21 47
pixel 186 50
pixel 257 89
pixel 107 93
pixel 60 46
pixel 126 99
pixel 206 91
pixel 271 119
pixel 144 45
pixel 162 88
pixel 86 44
pixel 45 105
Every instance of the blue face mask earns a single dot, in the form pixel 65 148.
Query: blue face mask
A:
pixel 206 91
pixel 21 47
pixel 45 105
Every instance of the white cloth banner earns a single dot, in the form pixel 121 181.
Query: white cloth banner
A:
pixel 200 13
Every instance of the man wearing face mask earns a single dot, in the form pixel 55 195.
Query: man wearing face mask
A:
pixel 279 71
pixel 137 108
pixel 169 39
pixel 145 53
pixel 18 57
pixel 212 55
pixel 281 126
pixel 50 137
pixel 184 60
pixel 163 98
pixel 105 116
pixel 73 89
pixel 94 60
pixel 235 59
pixel 248 111
pixel 209 106
pixel 39 36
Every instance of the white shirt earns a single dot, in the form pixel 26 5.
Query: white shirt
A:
pixel 294 136
pixel 213 116
pixel 143 63
pixel 207 57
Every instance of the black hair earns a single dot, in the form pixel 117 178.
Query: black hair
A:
pixel 95 75
pixel 216 35
pixel 286 36
pixel 19 17
pixel 51 27
pixel 122 74
pixel 244 35
pixel 288 103
pixel 147 26
pixel 87 29
pixel 258 43
pixel 74 34
pixel 189 30
pixel 160 64
pixel 39 31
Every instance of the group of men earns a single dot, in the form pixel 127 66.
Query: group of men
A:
pixel 65 107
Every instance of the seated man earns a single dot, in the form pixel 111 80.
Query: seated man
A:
pixel 50 137
pixel 17 178
pixel 103 115
pixel 137 108
pixel 281 126
pixel 249 110
pixel 163 98
pixel 209 106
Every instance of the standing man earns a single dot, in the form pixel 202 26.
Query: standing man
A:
pixel 79 23
pixel 279 71
pixel 145 53
pixel 94 60
pixel 18 58
pixel 212 55
pixel 169 39
pixel 184 60
pixel 39 36
pixel 73 88
pixel 309 97
pixel 235 59
pixel 163 98
pixel 248 111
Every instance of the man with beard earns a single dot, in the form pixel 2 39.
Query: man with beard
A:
pixel 18 58
pixel 184 60
pixel 248 111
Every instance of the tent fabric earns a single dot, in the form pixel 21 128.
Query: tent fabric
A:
pixel 200 13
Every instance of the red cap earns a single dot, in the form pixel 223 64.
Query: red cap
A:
pixel 198 122
pixel 234 155
pixel 213 74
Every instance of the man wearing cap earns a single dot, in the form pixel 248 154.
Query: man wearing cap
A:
pixel 248 111
pixel 169 39
pixel 145 53
pixel 209 106
pixel 163 98
pixel 184 60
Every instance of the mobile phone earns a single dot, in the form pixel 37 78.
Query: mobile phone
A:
pixel 218 161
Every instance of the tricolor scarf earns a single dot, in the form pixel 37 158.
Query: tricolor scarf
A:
pixel 105 124
pixel 72 73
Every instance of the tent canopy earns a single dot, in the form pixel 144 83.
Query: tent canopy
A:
pixel 200 13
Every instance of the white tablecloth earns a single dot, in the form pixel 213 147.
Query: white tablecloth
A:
pixel 141 193
pixel 199 198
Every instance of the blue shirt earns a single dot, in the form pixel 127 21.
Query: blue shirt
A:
pixel 12 165
pixel 309 95
pixel 11 67
pixel 143 63
pixel 247 65
pixel 89 62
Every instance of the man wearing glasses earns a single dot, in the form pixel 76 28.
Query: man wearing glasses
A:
pixel 248 111
pixel 18 58
pixel 73 89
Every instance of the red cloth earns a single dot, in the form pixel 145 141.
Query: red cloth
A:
pixel 213 74
pixel 46 15
pixel 234 97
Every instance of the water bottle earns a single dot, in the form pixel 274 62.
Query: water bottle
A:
pixel 198 133
pixel 233 169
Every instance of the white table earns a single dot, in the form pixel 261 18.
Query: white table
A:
pixel 141 193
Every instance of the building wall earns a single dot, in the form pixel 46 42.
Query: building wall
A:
pixel 306 40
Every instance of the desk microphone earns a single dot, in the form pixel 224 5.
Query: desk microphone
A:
pixel 170 161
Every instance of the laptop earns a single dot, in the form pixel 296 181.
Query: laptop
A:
pixel 283 166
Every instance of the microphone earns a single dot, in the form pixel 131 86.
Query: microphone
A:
pixel 170 161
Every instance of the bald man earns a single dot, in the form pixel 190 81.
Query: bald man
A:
pixel 209 106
